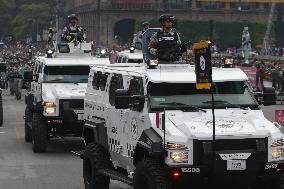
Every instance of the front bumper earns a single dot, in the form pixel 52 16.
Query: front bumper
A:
pixel 217 175
pixel 227 165
pixel 69 122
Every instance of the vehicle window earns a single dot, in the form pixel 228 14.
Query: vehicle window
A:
pixel 119 59
pixel 172 96
pixel 66 74
pixel 136 88
pixel 123 60
pixel 115 83
pixel 139 61
pixel 103 81
pixel 96 80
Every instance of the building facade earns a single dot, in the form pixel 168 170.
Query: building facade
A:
pixel 103 18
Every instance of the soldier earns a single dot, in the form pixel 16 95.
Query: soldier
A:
pixel 146 26
pixel 166 44
pixel 246 45
pixel 73 32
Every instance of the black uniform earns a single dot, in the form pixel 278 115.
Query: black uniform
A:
pixel 165 46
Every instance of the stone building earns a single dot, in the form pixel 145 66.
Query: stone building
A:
pixel 105 19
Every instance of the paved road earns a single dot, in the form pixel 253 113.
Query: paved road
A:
pixel 20 168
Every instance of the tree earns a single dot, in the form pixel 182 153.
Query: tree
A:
pixel 31 19
pixel 6 16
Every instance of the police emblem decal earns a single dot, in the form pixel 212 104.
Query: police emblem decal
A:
pixel 202 63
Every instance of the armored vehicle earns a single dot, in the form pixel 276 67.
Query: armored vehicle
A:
pixel 55 102
pixel 130 56
pixel 152 129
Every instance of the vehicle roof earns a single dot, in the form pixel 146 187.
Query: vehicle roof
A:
pixel 137 54
pixel 173 73
pixel 73 61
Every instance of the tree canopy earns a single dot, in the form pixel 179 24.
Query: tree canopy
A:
pixel 6 16
pixel 20 18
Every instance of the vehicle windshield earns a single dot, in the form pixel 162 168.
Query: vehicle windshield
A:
pixel 135 61
pixel 66 74
pixel 231 94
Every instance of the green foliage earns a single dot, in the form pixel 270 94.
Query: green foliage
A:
pixel 30 16
pixel 19 18
pixel 6 9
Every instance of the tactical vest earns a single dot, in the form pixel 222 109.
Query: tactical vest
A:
pixel 72 31
pixel 167 46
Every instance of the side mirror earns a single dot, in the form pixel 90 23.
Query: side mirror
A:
pixel 269 96
pixel 122 99
pixel 29 77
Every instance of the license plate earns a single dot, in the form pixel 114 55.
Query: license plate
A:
pixel 238 165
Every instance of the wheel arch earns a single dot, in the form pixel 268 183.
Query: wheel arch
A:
pixel 150 144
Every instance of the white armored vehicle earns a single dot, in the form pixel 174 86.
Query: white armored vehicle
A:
pixel 152 129
pixel 54 105
pixel 130 56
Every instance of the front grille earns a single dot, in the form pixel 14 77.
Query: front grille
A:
pixel 70 104
pixel 205 148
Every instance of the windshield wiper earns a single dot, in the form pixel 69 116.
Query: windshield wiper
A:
pixel 184 106
pixel 226 103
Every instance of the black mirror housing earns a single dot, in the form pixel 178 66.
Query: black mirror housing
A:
pixel 269 96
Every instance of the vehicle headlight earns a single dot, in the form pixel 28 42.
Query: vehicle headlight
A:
pixel 277 149
pixel 174 146
pixel 49 107
pixel 179 157
pixel 50 110
pixel 49 104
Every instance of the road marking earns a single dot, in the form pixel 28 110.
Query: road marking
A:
pixel 2 132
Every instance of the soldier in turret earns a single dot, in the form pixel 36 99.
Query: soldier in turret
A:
pixel 72 32
pixel 166 45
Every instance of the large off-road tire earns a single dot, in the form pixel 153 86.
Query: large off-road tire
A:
pixel 28 130
pixel 39 134
pixel 96 158
pixel 1 110
pixel 151 174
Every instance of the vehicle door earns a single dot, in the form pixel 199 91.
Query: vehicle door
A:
pixel 38 82
pixel 114 117
pixel 133 118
